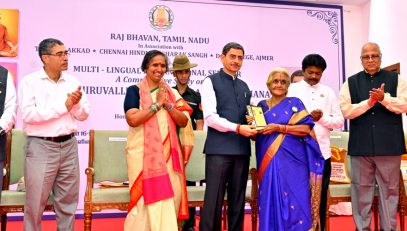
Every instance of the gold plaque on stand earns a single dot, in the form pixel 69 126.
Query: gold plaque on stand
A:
pixel 258 117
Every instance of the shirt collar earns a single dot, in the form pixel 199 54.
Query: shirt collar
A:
pixel 367 73
pixel 44 75
pixel 187 90
pixel 302 81
pixel 233 76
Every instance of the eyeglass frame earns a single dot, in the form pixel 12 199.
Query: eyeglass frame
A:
pixel 60 54
pixel 282 82
pixel 371 57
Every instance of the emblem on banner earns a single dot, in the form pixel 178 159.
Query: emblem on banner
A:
pixel 161 17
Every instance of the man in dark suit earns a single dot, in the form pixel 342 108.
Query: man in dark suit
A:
pixel 227 146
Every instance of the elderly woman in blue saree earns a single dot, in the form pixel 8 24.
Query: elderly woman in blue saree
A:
pixel 289 161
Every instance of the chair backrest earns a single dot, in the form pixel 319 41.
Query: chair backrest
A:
pixel 108 156
pixel 339 139
pixel 17 155
pixel 195 169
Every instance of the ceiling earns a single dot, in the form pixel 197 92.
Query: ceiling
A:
pixel 336 2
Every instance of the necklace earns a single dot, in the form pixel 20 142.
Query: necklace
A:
pixel 271 104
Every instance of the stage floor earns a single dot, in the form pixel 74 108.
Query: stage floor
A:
pixel 338 223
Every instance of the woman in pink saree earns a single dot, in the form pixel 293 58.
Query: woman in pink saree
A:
pixel 159 142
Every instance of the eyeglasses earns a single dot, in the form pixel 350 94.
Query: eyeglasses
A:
pixel 370 57
pixel 232 56
pixel 282 82
pixel 60 54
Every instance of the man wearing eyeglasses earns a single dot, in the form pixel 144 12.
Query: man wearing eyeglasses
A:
pixel 227 145
pixel 51 101
pixel 373 101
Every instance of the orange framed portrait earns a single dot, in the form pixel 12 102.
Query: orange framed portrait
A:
pixel 9 21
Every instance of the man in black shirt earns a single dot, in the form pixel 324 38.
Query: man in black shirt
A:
pixel 181 70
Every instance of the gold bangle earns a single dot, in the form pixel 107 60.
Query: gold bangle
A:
pixel 286 128
pixel 238 128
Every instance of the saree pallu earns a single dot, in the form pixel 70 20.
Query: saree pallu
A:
pixel 161 215
pixel 290 171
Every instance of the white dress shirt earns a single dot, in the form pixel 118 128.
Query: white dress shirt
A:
pixel 211 116
pixel 42 105
pixel 323 98
pixel 394 104
pixel 10 105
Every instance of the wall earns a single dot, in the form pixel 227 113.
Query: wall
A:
pixel 381 22
pixel 387 28
pixel 356 31
pixel 377 21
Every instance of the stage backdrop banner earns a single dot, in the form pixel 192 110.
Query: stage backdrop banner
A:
pixel 108 39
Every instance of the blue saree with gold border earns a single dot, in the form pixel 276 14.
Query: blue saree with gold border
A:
pixel 290 171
